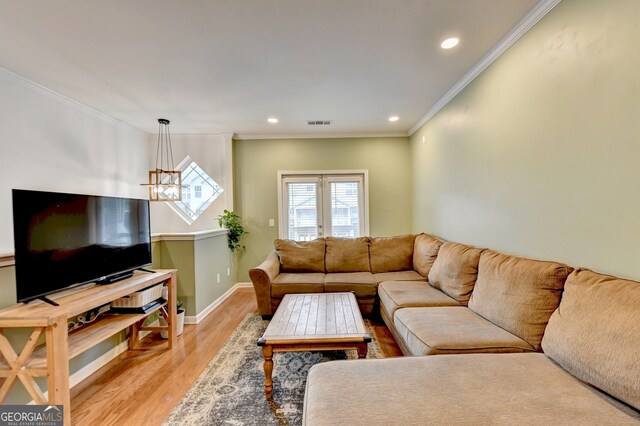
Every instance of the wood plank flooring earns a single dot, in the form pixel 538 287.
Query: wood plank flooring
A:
pixel 141 387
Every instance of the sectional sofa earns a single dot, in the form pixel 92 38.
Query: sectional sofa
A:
pixel 333 265
pixel 589 373
pixel 516 350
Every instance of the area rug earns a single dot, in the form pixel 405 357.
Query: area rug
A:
pixel 230 391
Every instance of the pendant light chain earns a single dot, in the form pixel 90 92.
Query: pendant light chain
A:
pixel 170 150
pixel 158 150
pixel 165 148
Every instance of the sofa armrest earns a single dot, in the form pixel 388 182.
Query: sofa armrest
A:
pixel 262 276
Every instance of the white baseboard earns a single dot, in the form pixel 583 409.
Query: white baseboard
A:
pixel 101 361
pixel 206 311
pixel 104 359
pixel 97 363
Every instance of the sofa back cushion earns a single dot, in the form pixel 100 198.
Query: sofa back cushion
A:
pixel 595 333
pixel 301 256
pixel 347 254
pixel 389 254
pixel 518 294
pixel 425 251
pixel 455 270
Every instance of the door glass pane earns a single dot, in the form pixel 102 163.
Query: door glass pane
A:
pixel 345 211
pixel 303 211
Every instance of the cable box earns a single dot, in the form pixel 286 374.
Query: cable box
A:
pixel 145 309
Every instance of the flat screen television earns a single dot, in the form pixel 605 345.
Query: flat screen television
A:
pixel 63 240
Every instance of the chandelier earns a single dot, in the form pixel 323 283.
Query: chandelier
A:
pixel 165 183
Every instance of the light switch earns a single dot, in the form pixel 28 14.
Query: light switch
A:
pixel 272 222
pixel 218 277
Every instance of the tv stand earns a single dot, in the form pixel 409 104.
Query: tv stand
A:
pixel 47 300
pixel 114 278
pixel 51 360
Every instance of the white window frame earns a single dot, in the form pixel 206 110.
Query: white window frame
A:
pixel 174 205
pixel 331 176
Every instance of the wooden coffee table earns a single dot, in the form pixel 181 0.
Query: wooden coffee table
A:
pixel 313 322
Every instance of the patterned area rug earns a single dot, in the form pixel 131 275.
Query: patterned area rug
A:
pixel 230 391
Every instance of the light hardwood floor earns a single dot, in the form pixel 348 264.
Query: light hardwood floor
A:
pixel 142 386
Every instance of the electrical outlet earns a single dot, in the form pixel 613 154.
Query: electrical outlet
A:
pixel 228 271
pixel 272 222
pixel 218 278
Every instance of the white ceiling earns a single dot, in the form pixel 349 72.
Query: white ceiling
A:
pixel 226 65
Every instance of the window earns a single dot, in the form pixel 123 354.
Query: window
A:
pixel 313 205
pixel 198 193
pixel 301 207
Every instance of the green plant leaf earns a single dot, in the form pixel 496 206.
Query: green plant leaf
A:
pixel 231 221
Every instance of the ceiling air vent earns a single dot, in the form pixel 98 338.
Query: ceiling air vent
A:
pixel 319 122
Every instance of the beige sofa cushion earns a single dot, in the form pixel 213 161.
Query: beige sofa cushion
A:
pixel 404 294
pixel 595 333
pixel 518 294
pixel 455 270
pixel 425 251
pixel 399 276
pixel 347 254
pixel 361 283
pixel 301 256
pixel 388 254
pixel 453 330
pixel 285 283
pixel 488 389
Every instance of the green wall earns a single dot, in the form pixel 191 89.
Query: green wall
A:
pixel 8 295
pixel 256 163
pixel 180 255
pixel 212 257
pixel 539 155
pixel 198 261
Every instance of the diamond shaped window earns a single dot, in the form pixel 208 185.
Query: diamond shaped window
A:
pixel 198 193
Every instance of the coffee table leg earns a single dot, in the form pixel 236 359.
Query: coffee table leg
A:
pixel 267 353
pixel 362 350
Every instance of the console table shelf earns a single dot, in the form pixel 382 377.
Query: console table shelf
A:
pixel 52 359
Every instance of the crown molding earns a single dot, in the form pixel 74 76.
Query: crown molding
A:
pixel 248 136
pixel 71 102
pixel 514 35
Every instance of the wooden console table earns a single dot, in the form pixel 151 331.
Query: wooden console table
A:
pixel 51 360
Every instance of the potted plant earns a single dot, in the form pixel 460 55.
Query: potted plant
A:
pixel 180 321
pixel 231 221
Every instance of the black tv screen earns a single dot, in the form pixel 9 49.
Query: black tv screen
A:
pixel 62 240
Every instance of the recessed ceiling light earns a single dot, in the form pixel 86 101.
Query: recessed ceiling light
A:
pixel 394 118
pixel 272 120
pixel 450 42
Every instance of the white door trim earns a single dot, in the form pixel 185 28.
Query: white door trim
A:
pixel 300 173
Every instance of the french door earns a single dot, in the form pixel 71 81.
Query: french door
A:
pixel 319 205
